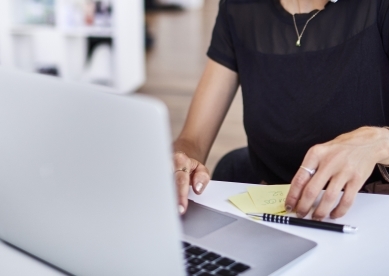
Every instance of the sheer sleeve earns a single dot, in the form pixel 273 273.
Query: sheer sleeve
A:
pixel 384 24
pixel 221 49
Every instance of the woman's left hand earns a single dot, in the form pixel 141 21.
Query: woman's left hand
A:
pixel 344 163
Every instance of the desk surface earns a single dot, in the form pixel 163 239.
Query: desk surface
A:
pixel 365 253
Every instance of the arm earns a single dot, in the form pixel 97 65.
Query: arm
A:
pixel 208 109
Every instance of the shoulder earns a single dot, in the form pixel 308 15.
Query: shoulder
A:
pixel 364 10
pixel 242 2
pixel 233 5
pixel 357 4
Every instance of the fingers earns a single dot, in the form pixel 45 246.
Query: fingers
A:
pixel 310 193
pixel 301 179
pixel 298 184
pixel 330 197
pixel 181 163
pixel 346 201
pixel 199 178
pixel 182 180
pixel 188 172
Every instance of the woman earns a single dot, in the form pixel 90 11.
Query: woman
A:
pixel 315 83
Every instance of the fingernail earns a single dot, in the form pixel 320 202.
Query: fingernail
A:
pixel 181 209
pixel 288 208
pixel 199 186
pixel 299 215
pixel 316 218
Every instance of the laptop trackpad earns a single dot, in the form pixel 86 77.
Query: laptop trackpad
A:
pixel 199 221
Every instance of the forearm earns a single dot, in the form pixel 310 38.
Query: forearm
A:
pixel 207 111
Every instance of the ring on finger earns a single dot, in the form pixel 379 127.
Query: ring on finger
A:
pixel 178 151
pixel 310 171
pixel 184 169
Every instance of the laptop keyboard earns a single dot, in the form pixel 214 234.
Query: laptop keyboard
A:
pixel 200 262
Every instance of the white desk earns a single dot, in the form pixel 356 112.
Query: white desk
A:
pixel 365 253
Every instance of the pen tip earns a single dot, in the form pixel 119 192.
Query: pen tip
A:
pixel 350 229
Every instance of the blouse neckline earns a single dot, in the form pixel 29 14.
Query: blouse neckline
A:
pixel 301 18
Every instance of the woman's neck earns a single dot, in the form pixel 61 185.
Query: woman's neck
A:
pixel 303 6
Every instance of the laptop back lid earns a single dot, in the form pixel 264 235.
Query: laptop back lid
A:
pixel 85 178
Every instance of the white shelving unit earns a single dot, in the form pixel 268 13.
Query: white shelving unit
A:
pixel 186 4
pixel 27 46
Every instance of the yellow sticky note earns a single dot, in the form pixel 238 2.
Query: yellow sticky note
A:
pixel 270 198
pixel 244 203
pixel 283 213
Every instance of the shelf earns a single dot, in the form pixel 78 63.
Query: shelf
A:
pixel 88 32
pixel 71 32
pixel 31 29
pixel 65 44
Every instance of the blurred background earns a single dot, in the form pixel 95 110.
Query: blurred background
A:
pixel 153 47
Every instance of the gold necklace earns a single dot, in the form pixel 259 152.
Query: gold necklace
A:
pixel 299 36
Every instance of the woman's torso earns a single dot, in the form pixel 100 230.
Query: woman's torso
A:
pixel 296 97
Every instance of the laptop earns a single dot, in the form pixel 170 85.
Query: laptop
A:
pixel 86 185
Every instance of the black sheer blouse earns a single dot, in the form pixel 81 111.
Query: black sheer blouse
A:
pixel 296 97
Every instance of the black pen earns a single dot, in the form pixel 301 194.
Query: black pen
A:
pixel 306 223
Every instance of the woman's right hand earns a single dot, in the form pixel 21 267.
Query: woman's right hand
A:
pixel 188 172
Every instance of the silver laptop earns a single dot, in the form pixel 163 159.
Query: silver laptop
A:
pixel 86 184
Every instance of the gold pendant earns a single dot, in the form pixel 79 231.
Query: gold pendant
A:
pixel 298 43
